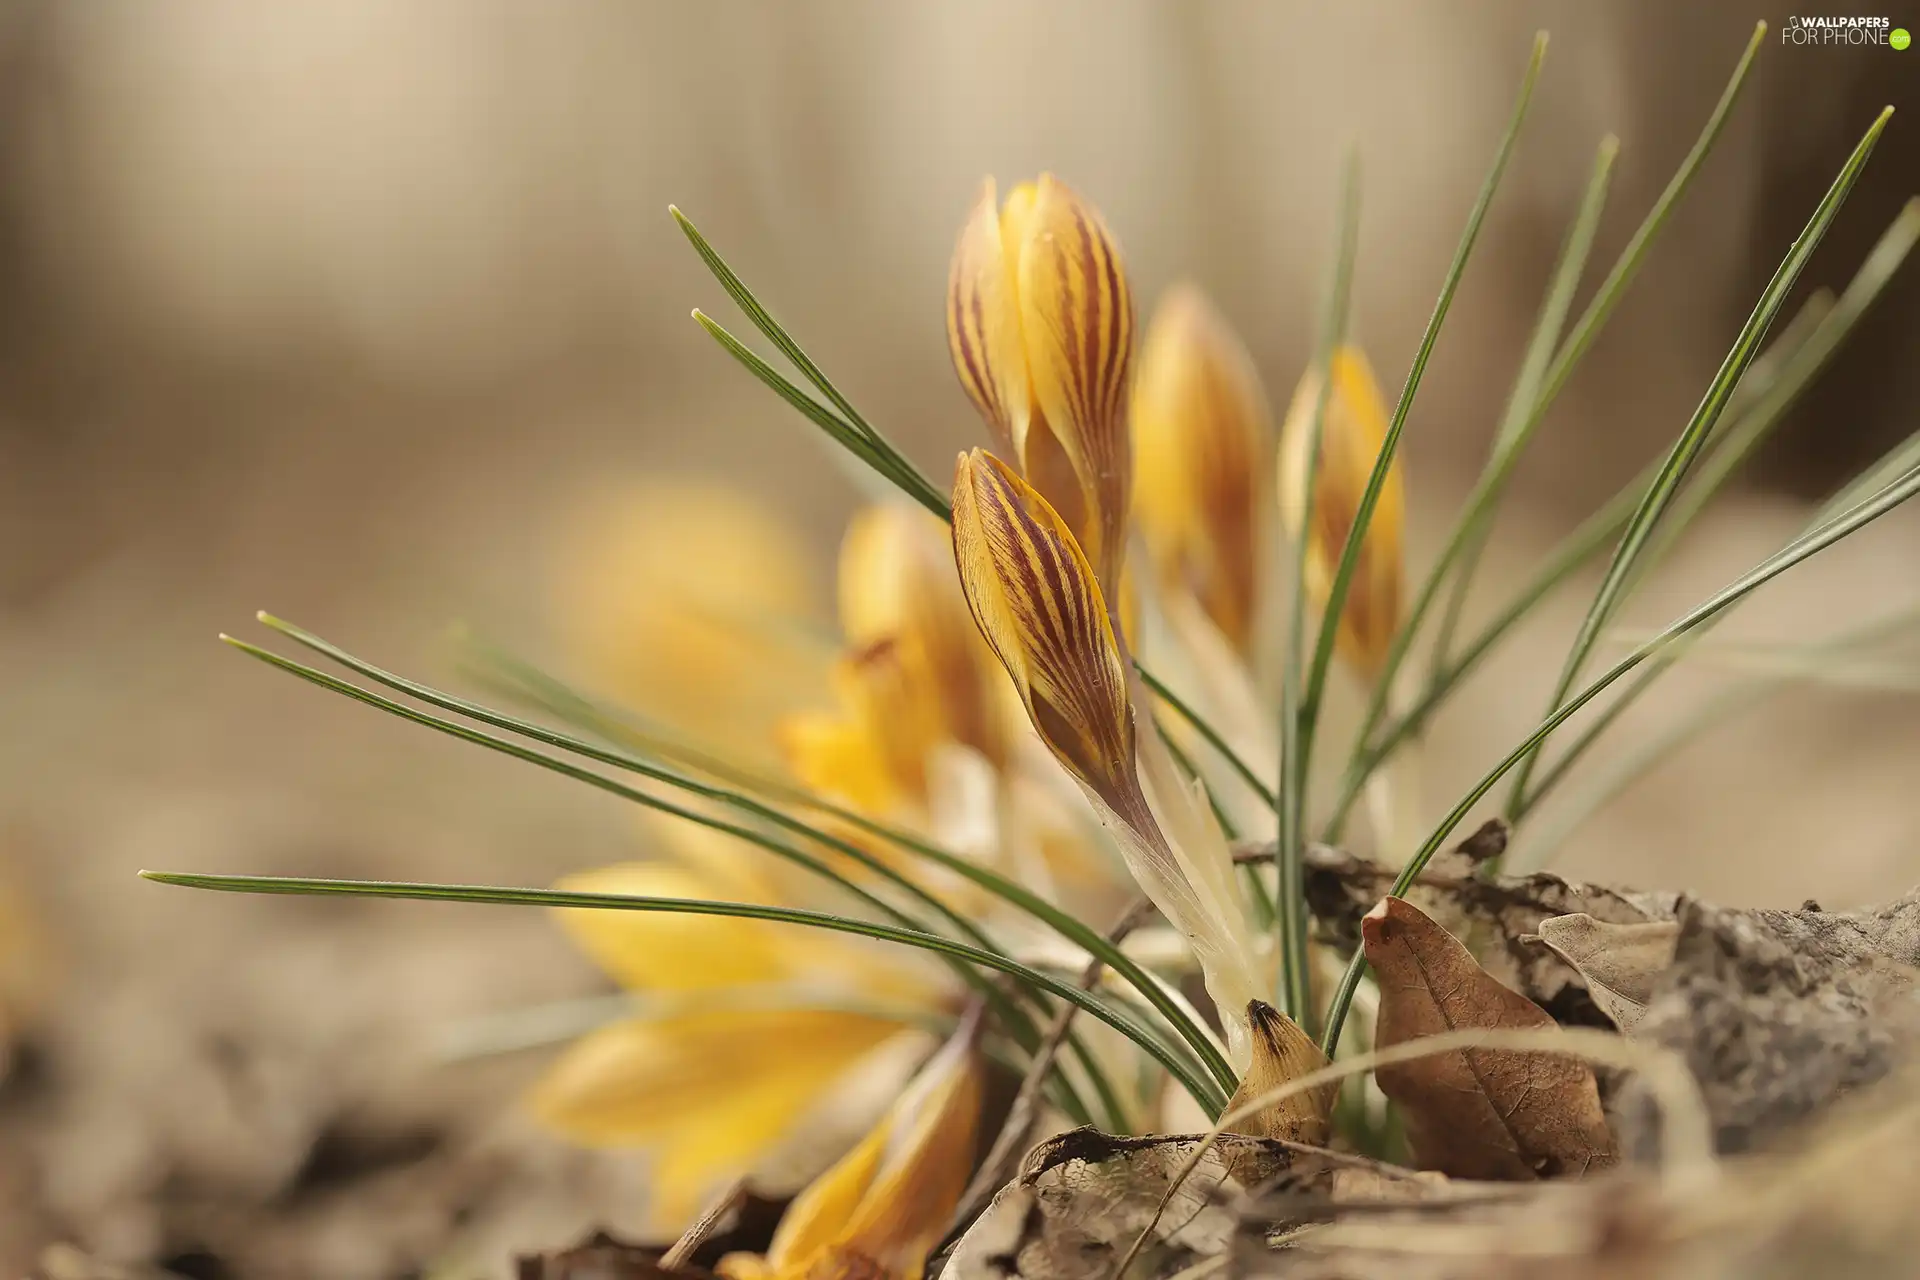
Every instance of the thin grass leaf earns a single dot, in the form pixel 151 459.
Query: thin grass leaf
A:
pixel 1363 516
pixel 1848 522
pixel 1290 916
pixel 1805 363
pixel 1196 1083
pixel 1900 458
pixel 1015 1018
pixel 347 689
pixel 1522 416
pixel 1075 931
pixel 1021 1026
pixel 1686 448
pixel 1773 383
pixel 1572 814
pixel 1209 735
pixel 896 467
pixel 1576 549
pixel 1592 320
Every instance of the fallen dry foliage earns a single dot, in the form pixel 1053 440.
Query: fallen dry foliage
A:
pixel 1796 1027
pixel 1475 1113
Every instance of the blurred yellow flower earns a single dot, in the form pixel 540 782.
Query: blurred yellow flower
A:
pixel 757 1022
pixel 1354 429
pixel 1040 324
pixel 696 607
pixel 916 677
pixel 1202 437
pixel 877 1213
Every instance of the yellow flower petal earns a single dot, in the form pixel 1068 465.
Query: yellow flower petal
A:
pixel 712 1091
pixel 660 951
pixel 1354 430
pixel 983 323
pixel 1076 316
pixel 1203 436
pixel 883 1207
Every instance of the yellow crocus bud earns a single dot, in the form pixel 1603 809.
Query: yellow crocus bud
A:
pixel 1282 1052
pixel 1352 433
pixel 877 1213
pixel 1202 437
pixel 1040 322
pixel 1034 597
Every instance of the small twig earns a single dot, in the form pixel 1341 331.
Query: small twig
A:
pixel 997 1168
pixel 704 1227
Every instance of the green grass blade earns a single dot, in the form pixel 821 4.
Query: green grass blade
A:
pixel 1209 735
pixel 1724 706
pixel 1828 532
pixel 838 429
pixel 466 733
pixel 1017 1021
pixel 1016 895
pixel 1686 448
pixel 1774 383
pixel 1363 516
pixel 1521 418
pixel 1585 330
pixel 1576 549
pixel 1203 1090
pixel 1898 460
pixel 1290 895
pixel 1806 361
pixel 896 467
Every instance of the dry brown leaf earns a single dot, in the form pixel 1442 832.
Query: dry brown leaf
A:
pixel 1083 1198
pixel 1620 963
pixel 1475 1113
pixel 1493 915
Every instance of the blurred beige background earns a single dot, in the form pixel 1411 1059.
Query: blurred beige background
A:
pixel 349 310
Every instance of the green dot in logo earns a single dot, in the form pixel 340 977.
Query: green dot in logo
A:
pixel 1899 38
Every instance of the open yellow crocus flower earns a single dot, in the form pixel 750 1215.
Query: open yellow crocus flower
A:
pixel 757 1023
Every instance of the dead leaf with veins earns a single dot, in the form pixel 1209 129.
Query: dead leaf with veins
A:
pixel 1496 1115
pixel 1620 963
pixel 1082 1199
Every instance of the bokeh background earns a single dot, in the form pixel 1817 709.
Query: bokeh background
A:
pixel 371 314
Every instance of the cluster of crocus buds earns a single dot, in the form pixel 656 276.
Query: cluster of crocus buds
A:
pixel 1041 331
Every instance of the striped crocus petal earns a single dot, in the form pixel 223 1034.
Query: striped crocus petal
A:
pixel 1352 433
pixel 1035 600
pixel 1076 318
pixel 1034 597
pixel 983 324
pixel 1203 437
